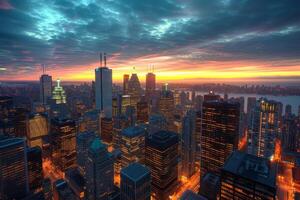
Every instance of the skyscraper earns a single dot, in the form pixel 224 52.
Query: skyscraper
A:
pixel 150 85
pixel 83 142
pixel 13 168
pixel 35 168
pixel 248 177
pixel 19 120
pixel 188 157
pixel 211 96
pixel 103 89
pixel 125 83
pixel 134 89
pixel 135 182
pixel 63 139
pixel 58 94
pixel 142 112
pixel 157 122
pixel 198 130
pixel 133 145
pixel 220 134
pixel 116 106
pixel 106 129
pixel 251 102
pixel 265 128
pixel 288 111
pixel 99 172
pixel 45 88
pixel 37 128
pixel 125 102
pixel 162 159
pixel 90 121
pixel 6 119
pixel 166 104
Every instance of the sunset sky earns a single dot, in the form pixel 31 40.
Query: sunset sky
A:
pixel 186 40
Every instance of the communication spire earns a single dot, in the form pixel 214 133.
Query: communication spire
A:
pixel 100 59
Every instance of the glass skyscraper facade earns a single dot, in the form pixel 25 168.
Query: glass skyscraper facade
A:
pixel 264 128
pixel 103 90
pixel 162 159
pixel 219 134
pixel 13 168
pixel 99 172
pixel 63 141
pixel 135 182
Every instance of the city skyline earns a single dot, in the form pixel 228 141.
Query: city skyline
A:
pixel 192 41
pixel 149 100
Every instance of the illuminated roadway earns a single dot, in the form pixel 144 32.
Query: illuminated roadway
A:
pixel 285 186
pixel 187 184
pixel 50 171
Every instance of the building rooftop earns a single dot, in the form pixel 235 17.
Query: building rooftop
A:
pixel 162 140
pixel 86 135
pixel 133 131
pixel 251 167
pixel 221 103
pixel 135 171
pixel 97 145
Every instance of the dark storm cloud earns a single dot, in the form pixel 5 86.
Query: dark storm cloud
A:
pixel 65 33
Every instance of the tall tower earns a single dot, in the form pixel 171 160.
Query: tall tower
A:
pixel 150 84
pixel 162 159
pixel 265 128
pixel 35 168
pixel 103 88
pixel 13 168
pixel 166 105
pixel 99 172
pixel 133 145
pixel 45 87
pixel 220 134
pixel 135 182
pixel 198 130
pixel 188 144
pixel 125 83
pixel 83 142
pixel 63 138
pixel 134 89
pixel 142 110
pixel 36 129
pixel 59 94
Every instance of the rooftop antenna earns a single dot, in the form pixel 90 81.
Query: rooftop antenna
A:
pixel 100 59
pixel 104 59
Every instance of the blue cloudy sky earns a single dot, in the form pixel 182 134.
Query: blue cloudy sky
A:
pixel 184 39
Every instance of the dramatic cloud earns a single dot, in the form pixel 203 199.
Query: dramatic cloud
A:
pixel 222 38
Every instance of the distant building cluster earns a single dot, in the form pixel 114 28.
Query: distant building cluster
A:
pixel 102 141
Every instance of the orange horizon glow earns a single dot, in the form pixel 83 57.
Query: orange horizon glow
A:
pixel 168 69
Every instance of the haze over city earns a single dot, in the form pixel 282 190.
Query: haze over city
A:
pixel 194 41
